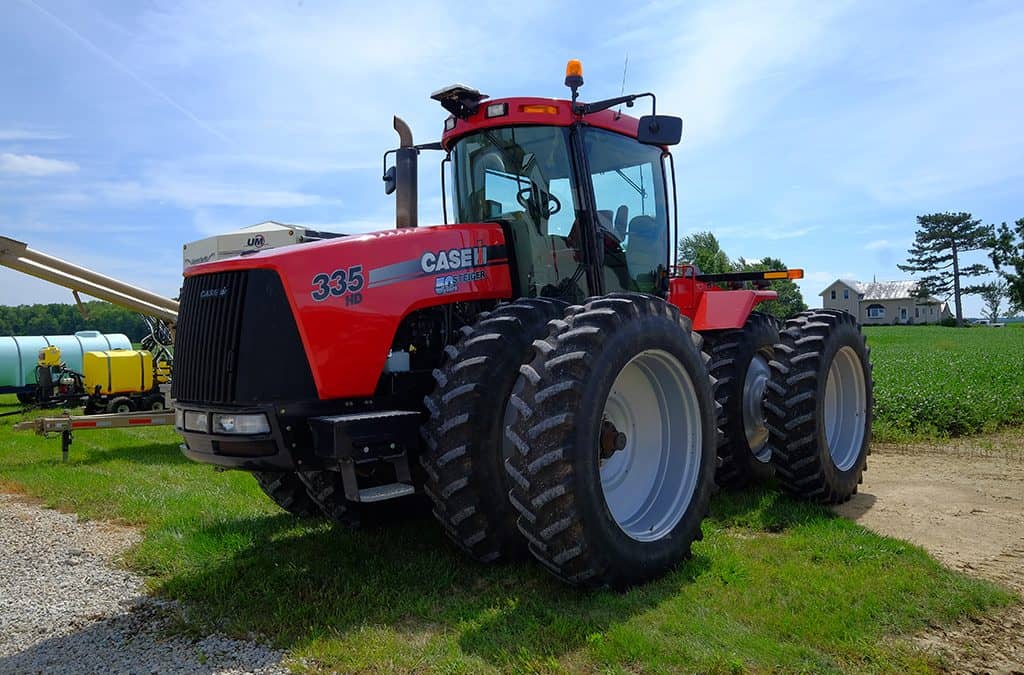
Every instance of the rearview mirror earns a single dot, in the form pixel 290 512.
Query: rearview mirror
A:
pixel 389 181
pixel 660 130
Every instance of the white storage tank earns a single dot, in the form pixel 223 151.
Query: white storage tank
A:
pixel 19 354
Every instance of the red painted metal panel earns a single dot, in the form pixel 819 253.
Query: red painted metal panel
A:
pixel 710 307
pixel 605 119
pixel 347 334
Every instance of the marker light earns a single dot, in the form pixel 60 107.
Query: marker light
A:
pixel 449 123
pixel 788 274
pixel 574 73
pixel 539 109
pixel 496 110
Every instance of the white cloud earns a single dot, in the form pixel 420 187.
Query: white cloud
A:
pixel 26 135
pixel 33 165
pixel 195 192
pixel 878 244
pixel 739 59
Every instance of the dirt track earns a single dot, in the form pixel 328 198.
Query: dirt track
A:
pixel 963 501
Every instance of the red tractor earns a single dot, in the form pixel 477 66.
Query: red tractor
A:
pixel 539 367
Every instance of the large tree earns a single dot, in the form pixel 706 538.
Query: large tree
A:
pixel 1008 256
pixel 703 250
pixel 791 300
pixel 940 241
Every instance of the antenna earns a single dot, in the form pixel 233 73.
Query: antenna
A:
pixel 622 91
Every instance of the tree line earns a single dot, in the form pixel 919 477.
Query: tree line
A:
pixel 703 250
pixel 63 319
pixel 941 239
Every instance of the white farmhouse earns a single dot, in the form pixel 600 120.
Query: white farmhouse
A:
pixel 883 302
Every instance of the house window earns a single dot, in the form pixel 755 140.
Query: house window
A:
pixel 846 294
pixel 917 313
pixel 903 313
pixel 833 294
pixel 931 310
pixel 876 312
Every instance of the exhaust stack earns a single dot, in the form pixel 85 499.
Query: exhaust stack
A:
pixel 406 157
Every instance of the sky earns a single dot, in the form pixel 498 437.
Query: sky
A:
pixel 814 132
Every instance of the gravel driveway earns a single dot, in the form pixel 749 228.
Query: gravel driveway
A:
pixel 66 608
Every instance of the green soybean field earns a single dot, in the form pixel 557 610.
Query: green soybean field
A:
pixel 932 381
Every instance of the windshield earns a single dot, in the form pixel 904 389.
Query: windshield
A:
pixel 522 177
pixel 515 174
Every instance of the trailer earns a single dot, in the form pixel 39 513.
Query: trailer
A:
pixel 67 424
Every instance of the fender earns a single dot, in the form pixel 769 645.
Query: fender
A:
pixel 711 308
pixel 349 295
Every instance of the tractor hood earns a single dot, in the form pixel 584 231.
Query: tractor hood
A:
pixel 346 296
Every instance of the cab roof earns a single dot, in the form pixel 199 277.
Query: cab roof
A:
pixel 521 111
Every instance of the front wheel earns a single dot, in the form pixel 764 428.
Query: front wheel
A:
pixel 819 406
pixel 288 491
pixel 614 447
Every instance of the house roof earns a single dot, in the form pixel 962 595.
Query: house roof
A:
pixel 884 290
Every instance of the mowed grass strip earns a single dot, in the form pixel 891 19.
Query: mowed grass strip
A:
pixel 932 381
pixel 775 584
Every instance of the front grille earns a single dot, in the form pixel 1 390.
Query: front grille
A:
pixel 208 333
pixel 237 342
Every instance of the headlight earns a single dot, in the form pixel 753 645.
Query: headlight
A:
pixel 197 421
pixel 240 424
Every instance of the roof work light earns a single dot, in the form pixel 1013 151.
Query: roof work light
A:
pixel 574 76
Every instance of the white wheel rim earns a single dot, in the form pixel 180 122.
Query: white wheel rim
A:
pixel 754 426
pixel 845 408
pixel 649 483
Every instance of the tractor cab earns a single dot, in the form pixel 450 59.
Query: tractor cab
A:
pixel 581 190
pixel 575 201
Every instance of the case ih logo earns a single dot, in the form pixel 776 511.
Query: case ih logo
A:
pixel 453 259
pixel 256 241
pixel 213 293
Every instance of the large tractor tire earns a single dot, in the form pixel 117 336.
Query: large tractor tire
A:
pixel 614 447
pixel 740 363
pixel 327 492
pixel 466 445
pixel 819 406
pixel 288 491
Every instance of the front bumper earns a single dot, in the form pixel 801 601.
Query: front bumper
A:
pixel 307 437
pixel 278 450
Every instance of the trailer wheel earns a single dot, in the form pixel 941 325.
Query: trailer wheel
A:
pixel 466 446
pixel 326 491
pixel 26 398
pixel 740 362
pixel 156 402
pixel 121 404
pixel 614 457
pixel 819 406
pixel 288 491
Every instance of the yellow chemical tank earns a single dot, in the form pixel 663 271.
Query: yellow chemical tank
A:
pixel 124 371
pixel 49 356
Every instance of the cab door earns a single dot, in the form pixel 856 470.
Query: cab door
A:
pixel 629 190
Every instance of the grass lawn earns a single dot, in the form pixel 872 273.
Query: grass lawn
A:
pixel 935 381
pixel 775 584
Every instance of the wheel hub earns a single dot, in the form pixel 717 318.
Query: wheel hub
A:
pixel 612 440
pixel 650 445
pixel 754 426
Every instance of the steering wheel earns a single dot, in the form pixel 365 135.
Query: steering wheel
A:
pixel 525 199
